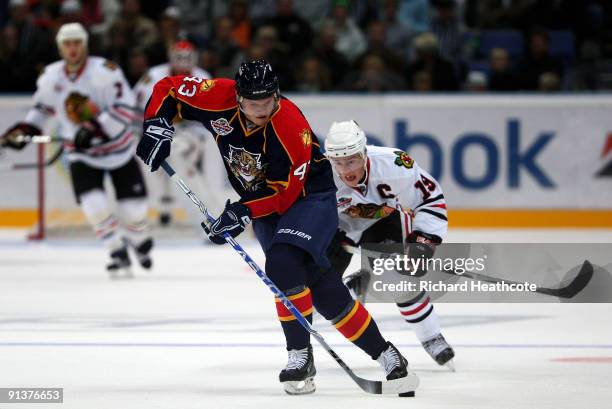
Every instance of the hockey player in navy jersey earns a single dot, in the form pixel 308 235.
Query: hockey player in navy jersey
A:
pixel 286 188
pixel 384 196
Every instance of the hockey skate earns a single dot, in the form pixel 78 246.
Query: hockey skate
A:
pixel 395 366
pixel 357 283
pixel 142 253
pixel 440 351
pixel 119 267
pixel 298 376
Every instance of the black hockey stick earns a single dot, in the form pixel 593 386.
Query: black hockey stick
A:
pixel 35 165
pixel 396 386
pixel 568 291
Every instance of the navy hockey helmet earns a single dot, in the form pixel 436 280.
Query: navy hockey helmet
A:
pixel 256 80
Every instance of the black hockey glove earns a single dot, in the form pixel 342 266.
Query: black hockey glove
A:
pixel 13 137
pixel 421 245
pixel 233 220
pixel 89 134
pixel 154 146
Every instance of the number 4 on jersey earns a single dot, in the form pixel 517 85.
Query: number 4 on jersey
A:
pixel 301 170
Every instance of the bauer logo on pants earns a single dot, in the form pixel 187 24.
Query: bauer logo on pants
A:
pixel 295 233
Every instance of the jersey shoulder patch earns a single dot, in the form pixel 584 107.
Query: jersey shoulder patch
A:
pixel 403 159
pixel 110 65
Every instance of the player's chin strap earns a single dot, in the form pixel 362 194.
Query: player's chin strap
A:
pixel 395 386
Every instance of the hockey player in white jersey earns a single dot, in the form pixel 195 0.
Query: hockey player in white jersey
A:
pixel 384 196
pixel 96 116
pixel 190 137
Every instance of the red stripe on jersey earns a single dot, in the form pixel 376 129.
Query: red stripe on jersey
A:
pixel 126 114
pixel 441 205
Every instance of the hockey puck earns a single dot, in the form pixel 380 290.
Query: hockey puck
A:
pixel 407 395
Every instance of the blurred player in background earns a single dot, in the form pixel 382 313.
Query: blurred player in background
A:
pixel 190 136
pixel 96 115
pixel 385 197
pixel 286 187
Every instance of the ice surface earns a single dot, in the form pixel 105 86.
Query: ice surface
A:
pixel 200 331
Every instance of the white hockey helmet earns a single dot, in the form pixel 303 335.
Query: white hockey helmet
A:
pixel 71 31
pixel 345 138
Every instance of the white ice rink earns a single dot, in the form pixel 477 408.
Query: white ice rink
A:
pixel 201 331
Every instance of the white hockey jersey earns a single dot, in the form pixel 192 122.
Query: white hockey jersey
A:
pixel 394 181
pixel 104 84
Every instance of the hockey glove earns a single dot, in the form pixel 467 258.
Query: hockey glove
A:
pixel 13 137
pixel 154 146
pixel 89 134
pixel 421 245
pixel 233 220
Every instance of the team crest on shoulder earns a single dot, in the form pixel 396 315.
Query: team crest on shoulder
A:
pixel 306 136
pixel 221 126
pixel 207 85
pixel 403 159
pixel 110 65
pixel 246 166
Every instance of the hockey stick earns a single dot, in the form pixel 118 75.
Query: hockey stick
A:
pixel 395 386
pixel 570 290
pixel 24 166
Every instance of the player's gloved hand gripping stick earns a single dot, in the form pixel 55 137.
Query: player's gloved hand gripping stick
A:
pixel 395 386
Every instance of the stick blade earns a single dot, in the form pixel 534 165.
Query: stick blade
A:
pixel 579 283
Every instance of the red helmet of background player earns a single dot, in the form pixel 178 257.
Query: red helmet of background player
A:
pixel 183 57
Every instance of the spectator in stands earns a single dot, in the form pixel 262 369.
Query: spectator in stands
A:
pixel 313 11
pixel 373 76
pixel 275 52
pixel 138 66
pixel 312 76
pixel 16 73
pixel 446 25
pixel 71 12
pixel 225 46
pixel 476 82
pixel 398 35
pixel 549 82
pixel 30 46
pixel 497 14
pixel 350 41
pixel 415 14
pixel 210 61
pixel 427 59
pixel 241 23
pixel 135 29
pixel 377 46
pixel 502 77
pixel 293 31
pixel 325 49
pixel 538 61
pixel 421 82
pixel 170 31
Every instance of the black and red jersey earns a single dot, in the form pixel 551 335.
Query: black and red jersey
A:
pixel 270 166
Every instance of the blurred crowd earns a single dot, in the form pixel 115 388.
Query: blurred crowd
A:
pixel 333 45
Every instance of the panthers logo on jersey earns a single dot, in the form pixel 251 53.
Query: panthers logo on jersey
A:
pixel 246 166
pixel 403 159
